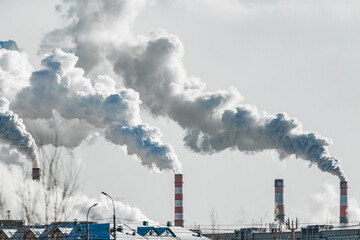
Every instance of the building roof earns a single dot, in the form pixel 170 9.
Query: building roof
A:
pixel 37 231
pixel 125 232
pixel 185 234
pixel 102 231
pixel 146 231
pixel 19 233
pixel 65 230
pixel 9 232
pixel 96 231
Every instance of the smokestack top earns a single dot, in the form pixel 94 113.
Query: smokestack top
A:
pixel 178 177
pixel 36 174
pixel 343 187
pixel 279 182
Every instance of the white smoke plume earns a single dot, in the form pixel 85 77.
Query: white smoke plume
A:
pixel 104 210
pixel 323 206
pixel 8 156
pixel 61 92
pixel 13 132
pixel 15 69
pixel 59 99
pixel 153 66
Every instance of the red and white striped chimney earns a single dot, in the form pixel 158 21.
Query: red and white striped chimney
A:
pixel 279 201
pixel 36 174
pixel 343 202
pixel 179 210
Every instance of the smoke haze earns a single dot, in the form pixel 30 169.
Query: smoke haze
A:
pixel 20 186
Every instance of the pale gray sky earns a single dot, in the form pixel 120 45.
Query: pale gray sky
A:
pixel 296 57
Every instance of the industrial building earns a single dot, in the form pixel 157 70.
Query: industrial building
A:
pixel 97 231
pixel 280 229
pixel 311 232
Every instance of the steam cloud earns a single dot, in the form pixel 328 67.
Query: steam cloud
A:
pixel 152 66
pixel 13 132
pixel 60 95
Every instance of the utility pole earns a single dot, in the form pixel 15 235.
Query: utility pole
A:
pixel 292 227
pixel 114 217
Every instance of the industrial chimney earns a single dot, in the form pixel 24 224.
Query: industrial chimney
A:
pixel 279 201
pixel 36 174
pixel 179 210
pixel 343 202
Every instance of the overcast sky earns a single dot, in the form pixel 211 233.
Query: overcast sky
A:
pixel 298 57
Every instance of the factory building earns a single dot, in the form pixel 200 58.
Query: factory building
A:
pixel 311 232
pixel 289 230
pixel 98 231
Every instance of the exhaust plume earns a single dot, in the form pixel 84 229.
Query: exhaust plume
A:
pixel 211 119
pixel 153 66
pixel 62 89
pixel 13 132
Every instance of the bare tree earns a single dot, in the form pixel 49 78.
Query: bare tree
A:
pixel 214 227
pixel 28 202
pixel 58 181
pixel 2 204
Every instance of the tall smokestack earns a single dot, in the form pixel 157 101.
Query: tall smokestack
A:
pixel 179 210
pixel 343 202
pixel 36 174
pixel 279 201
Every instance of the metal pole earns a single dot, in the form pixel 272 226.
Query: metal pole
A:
pixel 87 221
pixel 113 214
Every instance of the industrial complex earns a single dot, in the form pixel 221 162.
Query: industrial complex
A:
pixel 280 229
pixel 286 229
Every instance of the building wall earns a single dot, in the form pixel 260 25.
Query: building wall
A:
pixel 304 234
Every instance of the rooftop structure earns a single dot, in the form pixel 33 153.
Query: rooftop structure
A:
pixel 97 231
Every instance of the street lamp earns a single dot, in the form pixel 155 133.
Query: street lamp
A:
pixel 114 213
pixel 87 221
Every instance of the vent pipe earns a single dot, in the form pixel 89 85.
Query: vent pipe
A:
pixel 279 201
pixel 343 202
pixel 179 210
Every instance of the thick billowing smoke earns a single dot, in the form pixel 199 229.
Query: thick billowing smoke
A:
pixel 212 123
pixel 153 67
pixel 9 156
pixel 15 70
pixel 58 99
pixel 61 92
pixel 13 132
